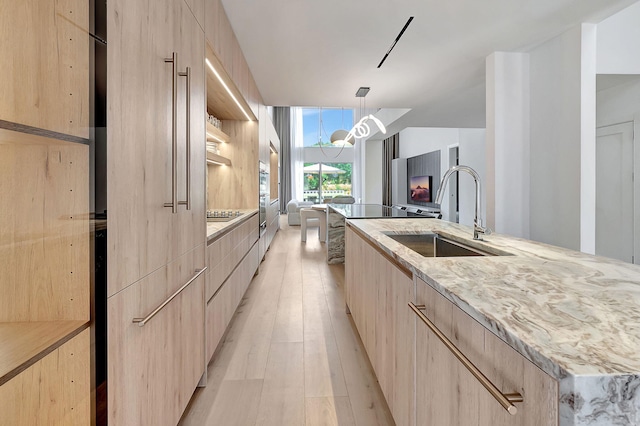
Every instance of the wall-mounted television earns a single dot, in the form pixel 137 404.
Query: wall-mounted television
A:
pixel 420 188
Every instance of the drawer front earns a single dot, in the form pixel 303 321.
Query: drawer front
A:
pixel 224 254
pixel 447 393
pixel 154 369
pixel 62 376
pixel 222 306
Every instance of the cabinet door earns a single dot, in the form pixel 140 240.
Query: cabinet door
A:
pixel 144 234
pixel 447 393
pixel 153 370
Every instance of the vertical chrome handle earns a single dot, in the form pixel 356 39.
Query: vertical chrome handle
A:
pixel 174 133
pixel 187 74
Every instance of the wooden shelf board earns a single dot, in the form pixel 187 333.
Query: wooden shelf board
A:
pixel 219 102
pixel 20 133
pixel 216 135
pixel 211 157
pixel 22 344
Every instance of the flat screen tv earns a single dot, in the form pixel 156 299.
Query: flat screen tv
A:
pixel 420 188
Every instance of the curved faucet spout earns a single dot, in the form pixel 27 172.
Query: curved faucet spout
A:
pixel 478 229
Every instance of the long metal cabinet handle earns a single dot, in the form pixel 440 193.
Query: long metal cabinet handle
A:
pixel 142 321
pixel 174 133
pixel 506 400
pixel 187 74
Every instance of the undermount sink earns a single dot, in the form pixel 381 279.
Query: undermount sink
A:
pixel 434 245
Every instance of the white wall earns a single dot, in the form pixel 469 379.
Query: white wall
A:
pixel 472 153
pixel 619 42
pixel 416 141
pixel 372 185
pixel 618 103
pixel 562 140
pixel 507 153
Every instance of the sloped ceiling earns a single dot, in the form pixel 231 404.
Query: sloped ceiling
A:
pixel 317 53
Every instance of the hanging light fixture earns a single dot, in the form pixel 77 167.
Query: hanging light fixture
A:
pixel 361 129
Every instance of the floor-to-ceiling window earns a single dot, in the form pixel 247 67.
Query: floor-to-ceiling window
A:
pixel 327 169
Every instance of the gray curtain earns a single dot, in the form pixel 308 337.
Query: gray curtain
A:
pixel 282 123
pixel 390 151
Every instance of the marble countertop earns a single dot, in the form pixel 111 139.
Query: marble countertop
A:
pixel 574 315
pixel 215 229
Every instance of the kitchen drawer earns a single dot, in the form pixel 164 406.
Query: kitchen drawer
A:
pixel 222 306
pixel 224 253
pixel 447 393
pixel 56 390
pixel 154 369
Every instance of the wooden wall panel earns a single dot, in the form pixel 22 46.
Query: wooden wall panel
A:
pixel 236 186
pixel 44 232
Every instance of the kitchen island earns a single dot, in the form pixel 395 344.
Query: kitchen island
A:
pixel 337 213
pixel 574 316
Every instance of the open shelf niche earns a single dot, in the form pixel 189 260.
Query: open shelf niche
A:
pixel 234 187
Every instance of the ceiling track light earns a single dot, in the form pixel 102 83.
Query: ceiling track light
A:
pixel 396 41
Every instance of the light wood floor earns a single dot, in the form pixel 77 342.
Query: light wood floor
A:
pixel 291 355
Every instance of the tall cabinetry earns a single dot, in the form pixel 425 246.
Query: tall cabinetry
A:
pixel 45 214
pixel 156 209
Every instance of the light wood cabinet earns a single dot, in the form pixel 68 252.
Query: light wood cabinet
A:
pixel 222 306
pixel 144 234
pixel 45 65
pixel 378 292
pixel 44 280
pixel 154 369
pixel 446 393
pixel 225 252
pixel 422 381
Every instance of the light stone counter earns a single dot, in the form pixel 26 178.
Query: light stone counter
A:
pixel 574 315
pixel 215 229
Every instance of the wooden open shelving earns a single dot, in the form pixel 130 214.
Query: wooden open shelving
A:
pixel 217 159
pixel 216 135
pixel 25 343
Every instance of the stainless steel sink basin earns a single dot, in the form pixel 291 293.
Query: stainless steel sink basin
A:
pixel 434 245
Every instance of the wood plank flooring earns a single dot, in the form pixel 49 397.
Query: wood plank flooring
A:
pixel 291 355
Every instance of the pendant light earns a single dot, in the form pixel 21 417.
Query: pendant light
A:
pixel 361 129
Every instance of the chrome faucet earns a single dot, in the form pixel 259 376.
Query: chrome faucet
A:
pixel 478 229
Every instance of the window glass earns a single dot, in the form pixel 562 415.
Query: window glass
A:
pixel 323 181
pixel 319 123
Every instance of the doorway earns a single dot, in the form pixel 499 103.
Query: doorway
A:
pixel 616 227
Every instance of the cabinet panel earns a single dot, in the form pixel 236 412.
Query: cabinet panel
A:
pixel 221 308
pixel 224 253
pixel 44 231
pixel 197 9
pixel 144 234
pixel 54 391
pixel 45 65
pixel 446 393
pixel 378 293
pixel 153 370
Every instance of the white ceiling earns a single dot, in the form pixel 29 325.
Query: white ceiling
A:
pixel 318 52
